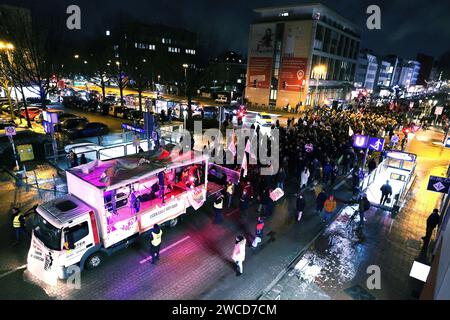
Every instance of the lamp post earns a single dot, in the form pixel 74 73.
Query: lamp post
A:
pixel 318 72
pixel 185 66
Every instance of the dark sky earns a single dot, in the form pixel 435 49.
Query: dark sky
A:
pixel 408 26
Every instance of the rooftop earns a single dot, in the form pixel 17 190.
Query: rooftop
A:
pixel 112 174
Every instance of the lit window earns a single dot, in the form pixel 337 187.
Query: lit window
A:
pixel 284 14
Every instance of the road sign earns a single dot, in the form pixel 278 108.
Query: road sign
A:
pixel 447 142
pixel 376 144
pixel 360 141
pixel 10 131
pixel 438 184
pixel 438 111
pixel 309 147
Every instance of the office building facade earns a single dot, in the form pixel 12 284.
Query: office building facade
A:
pixel 287 43
pixel 366 71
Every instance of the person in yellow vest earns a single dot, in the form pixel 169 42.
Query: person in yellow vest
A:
pixel 155 242
pixel 18 223
pixel 329 207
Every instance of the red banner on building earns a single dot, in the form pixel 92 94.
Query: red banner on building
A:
pixel 259 69
pixel 292 73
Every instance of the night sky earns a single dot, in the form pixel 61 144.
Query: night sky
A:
pixel 408 26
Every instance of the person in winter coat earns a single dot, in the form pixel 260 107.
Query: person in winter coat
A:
pixel 327 170
pixel 243 203
pixel 18 223
pixel 433 221
pixel 281 177
pixel 320 201
pixel 218 206
pixel 304 177
pixel 364 205
pixel 300 206
pixel 238 255
pixel 386 192
pixel 259 231
pixel 329 206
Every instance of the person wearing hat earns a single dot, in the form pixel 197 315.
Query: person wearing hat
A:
pixel 238 255
pixel 434 220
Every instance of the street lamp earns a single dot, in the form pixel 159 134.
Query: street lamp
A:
pixel 76 56
pixel 319 72
pixel 185 66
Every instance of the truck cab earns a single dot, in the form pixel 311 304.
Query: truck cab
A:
pixel 65 233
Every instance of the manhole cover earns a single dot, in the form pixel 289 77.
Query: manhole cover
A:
pixel 359 293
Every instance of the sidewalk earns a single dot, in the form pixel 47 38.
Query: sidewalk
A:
pixel 335 265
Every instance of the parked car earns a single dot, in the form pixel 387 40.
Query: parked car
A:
pixel 90 129
pixel 68 124
pixel 221 99
pixel 210 112
pixel 33 112
pixel 124 113
pixel 113 110
pixel 36 101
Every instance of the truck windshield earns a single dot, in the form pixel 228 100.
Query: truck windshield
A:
pixel 47 233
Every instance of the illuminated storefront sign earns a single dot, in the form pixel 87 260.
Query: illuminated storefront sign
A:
pixel 360 141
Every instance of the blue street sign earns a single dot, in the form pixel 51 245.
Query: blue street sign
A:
pixel 447 142
pixel 130 127
pixel 438 184
pixel 360 141
pixel 376 144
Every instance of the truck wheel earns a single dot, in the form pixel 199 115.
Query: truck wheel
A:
pixel 94 261
pixel 173 222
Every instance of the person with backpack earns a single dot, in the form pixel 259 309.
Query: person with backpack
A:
pixel 259 231
pixel 364 205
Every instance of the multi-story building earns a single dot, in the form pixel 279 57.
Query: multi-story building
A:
pixel 227 71
pixel 165 49
pixel 408 73
pixel 366 70
pixel 305 54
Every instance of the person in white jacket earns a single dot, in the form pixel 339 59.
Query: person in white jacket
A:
pixel 239 254
pixel 304 178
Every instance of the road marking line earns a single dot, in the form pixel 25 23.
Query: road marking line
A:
pixel 165 249
pixel 12 271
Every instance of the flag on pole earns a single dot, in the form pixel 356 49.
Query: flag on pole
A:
pixel 350 131
pixel 249 149
pixel 232 145
pixel 244 165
